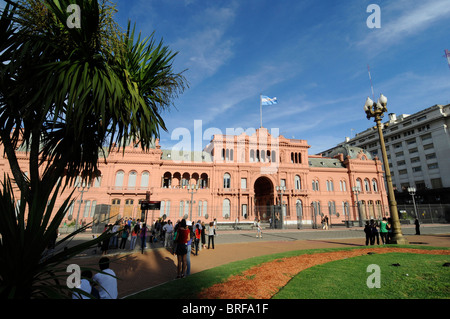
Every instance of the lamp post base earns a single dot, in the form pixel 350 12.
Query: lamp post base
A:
pixel 399 240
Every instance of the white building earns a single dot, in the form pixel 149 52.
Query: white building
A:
pixel 417 145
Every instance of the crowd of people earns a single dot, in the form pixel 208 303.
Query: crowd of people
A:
pixel 180 238
pixel 374 231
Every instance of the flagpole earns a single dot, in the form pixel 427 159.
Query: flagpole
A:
pixel 260 108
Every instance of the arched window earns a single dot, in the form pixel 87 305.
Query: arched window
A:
pixel 119 179
pixel 331 208
pixel 299 157
pixel 374 185
pixel 226 180
pixel 144 179
pixel 366 185
pixel 274 156
pixel 358 184
pixel 132 179
pixel 167 180
pixel 204 180
pixel 226 208
pixel 297 183
pixel 252 156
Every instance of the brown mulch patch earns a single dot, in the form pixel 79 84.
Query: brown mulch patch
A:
pixel 265 280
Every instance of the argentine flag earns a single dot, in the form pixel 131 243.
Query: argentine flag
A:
pixel 265 100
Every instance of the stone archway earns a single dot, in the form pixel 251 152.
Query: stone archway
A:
pixel 264 198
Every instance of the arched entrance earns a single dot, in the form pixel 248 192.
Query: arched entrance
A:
pixel 264 198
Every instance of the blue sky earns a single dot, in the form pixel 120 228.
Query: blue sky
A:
pixel 310 54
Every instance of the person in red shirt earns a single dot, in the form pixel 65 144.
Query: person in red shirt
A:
pixel 183 236
pixel 198 234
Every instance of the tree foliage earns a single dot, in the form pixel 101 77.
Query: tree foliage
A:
pixel 68 94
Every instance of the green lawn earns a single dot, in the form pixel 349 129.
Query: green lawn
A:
pixel 436 277
pixel 417 277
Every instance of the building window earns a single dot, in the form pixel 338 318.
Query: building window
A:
pixel 243 183
pixel 98 181
pixel 226 180
pixel 297 182
pixel 119 179
pixel 132 179
pixel 244 211
pixel 144 179
pixel 226 208
pixel 433 166
pixel 87 208
pixel 374 185
pixel 417 169
pixel 367 185
pixel 359 184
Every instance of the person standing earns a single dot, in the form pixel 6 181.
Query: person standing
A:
pixel 368 232
pixel 416 222
pixel 203 235
pixel 189 248
pixel 168 234
pixel 143 235
pixel 211 234
pixel 124 236
pixel 183 236
pixel 384 231
pixel 374 232
pixel 258 229
pixel 134 234
pixel 106 280
pixel 198 234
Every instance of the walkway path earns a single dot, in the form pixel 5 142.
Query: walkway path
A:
pixel 157 265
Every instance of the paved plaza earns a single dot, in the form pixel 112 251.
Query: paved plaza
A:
pixel 157 265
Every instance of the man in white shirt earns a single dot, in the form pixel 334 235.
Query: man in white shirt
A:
pixel 106 280
pixel 168 228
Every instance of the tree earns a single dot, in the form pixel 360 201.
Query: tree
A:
pixel 65 94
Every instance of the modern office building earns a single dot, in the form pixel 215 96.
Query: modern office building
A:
pixel 417 145
pixel 246 176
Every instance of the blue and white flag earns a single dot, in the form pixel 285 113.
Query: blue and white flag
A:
pixel 265 100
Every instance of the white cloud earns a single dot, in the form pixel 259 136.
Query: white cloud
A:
pixel 403 19
pixel 204 46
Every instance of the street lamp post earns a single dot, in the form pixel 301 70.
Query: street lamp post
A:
pixel 81 188
pixel 192 189
pixel 280 191
pixel 356 190
pixel 376 110
pixel 412 192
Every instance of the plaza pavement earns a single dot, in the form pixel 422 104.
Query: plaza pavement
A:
pixel 157 265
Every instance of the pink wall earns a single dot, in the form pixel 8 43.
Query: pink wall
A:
pixel 242 165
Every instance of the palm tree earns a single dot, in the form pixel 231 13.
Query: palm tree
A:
pixel 65 94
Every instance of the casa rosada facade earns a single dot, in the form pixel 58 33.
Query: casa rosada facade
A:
pixel 235 176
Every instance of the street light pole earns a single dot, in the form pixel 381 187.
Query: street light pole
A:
pixel 81 189
pixel 192 189
pixel 376 110
pixel 412 192
pixel 356 190
pixel 280 191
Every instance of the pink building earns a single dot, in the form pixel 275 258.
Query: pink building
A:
pixel 239 176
